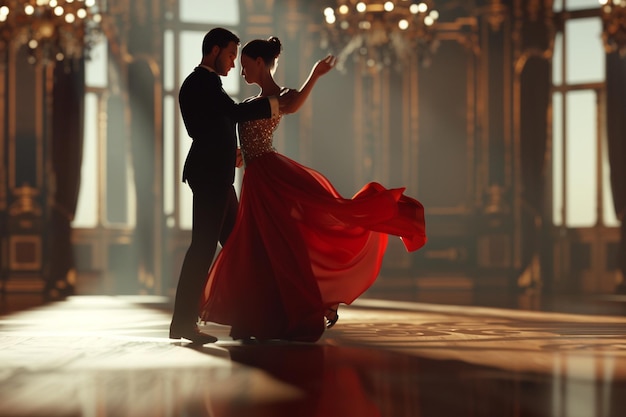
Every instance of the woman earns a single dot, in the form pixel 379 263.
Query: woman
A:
pixel 298 248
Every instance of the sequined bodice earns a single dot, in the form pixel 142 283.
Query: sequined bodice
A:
pixel 256 137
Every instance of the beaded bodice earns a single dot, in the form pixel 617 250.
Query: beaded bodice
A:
pixel 256 137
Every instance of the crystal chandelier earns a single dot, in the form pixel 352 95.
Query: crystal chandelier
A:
pixel 381 33
pixel 614 25
pixel 53 30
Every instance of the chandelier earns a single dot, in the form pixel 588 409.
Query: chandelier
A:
pixel 614 25
pixel 53 30
pixel 381 33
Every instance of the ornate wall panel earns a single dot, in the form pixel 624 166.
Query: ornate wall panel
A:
pixel 26 181
pixel 495 236
pixel 446 163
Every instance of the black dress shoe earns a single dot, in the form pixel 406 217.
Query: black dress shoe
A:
pixel 193 334
pixel 331 318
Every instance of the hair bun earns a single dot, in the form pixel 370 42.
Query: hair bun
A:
pixel 276 45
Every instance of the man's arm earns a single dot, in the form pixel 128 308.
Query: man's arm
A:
pixel 261 108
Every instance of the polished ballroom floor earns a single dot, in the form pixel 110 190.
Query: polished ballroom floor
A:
pixel 110 356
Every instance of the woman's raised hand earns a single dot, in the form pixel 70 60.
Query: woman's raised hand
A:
pixel 324 65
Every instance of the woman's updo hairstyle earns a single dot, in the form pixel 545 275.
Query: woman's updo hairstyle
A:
pixel 268 50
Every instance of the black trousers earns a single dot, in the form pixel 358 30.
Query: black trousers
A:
pixel 214 215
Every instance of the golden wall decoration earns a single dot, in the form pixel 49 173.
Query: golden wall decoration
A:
pixel 25 252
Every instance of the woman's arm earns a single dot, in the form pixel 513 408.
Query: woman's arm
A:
pixel 298 98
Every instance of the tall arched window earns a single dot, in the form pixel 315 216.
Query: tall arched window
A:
pixel 580 161
pixel 582 202
pixel 106 197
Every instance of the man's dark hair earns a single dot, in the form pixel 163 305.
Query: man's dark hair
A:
pixel 218 37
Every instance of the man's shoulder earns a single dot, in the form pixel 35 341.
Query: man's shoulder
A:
pixel 201 75
pixel 200 82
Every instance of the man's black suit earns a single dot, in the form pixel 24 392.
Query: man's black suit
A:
pixel 210 117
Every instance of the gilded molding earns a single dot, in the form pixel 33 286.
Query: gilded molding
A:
pixel 495 14
pixel 452 254
pixel 256 5
pixel 533 9
pixel 3 122
pixel 25 252
pixel 25 202
pixel 496 200
pixel 141 11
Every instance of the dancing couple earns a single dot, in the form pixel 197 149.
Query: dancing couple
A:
pixel 293 248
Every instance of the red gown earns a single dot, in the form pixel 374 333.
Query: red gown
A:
pixel 298 246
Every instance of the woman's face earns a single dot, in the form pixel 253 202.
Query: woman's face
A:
pixel 251 69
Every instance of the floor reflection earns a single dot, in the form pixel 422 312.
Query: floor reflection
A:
pixel 107 356
pixel 336 382
pixel 340 381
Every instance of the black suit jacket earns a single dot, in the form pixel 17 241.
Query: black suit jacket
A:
pixel 210 116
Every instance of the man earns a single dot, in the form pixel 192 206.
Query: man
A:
pixel 210 117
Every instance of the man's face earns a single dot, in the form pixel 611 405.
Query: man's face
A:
pixel 225 59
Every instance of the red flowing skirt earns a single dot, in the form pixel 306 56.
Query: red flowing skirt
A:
pixel 299 247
